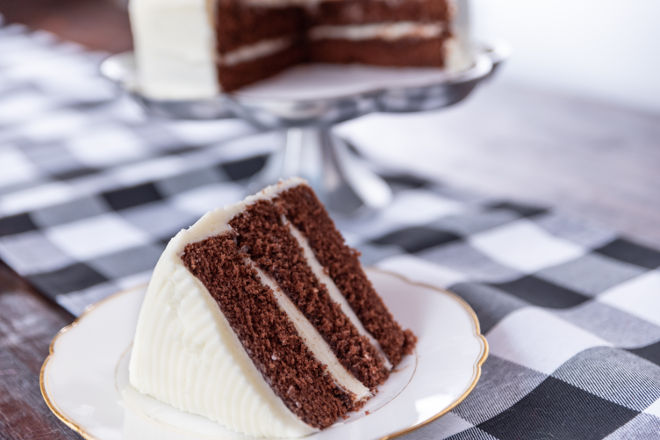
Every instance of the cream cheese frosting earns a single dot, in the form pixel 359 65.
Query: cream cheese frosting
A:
pixel 174 49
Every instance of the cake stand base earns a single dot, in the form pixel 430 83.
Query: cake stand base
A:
pixel 342 180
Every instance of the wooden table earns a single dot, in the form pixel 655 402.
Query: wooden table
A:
pixel 598 160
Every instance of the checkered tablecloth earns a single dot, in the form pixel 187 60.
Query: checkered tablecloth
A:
pixel 91 190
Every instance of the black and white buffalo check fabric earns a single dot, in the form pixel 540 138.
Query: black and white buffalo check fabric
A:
pixel 90 192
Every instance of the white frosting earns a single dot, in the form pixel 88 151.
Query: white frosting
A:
pixel 386 31
pixel 253 51
pixel 174 48
pixel 457 55
pixel 334 291
pixel 186 354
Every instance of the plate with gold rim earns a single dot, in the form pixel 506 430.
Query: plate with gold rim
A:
pixel 84 378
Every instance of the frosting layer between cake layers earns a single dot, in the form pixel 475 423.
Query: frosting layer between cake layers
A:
pixel 239 325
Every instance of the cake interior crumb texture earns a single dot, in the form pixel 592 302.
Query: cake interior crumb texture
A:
pixel 265 332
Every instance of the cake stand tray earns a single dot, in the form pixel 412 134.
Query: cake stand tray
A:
pixel 307 100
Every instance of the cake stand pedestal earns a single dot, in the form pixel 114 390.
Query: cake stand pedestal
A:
pixel 342 180
pixel 307 101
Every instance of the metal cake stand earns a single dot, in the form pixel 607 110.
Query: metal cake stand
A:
pixel 342 180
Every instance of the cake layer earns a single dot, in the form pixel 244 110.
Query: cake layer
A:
pixel 372 11
pixel 303 209
pixel 238 24
pixel 269 243
pixel 402 52
pixel 266 332
pixel 254 69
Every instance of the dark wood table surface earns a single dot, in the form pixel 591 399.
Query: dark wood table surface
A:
pixel 599 160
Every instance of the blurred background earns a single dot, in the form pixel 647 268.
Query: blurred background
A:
pixel 570 121
pixel 599 48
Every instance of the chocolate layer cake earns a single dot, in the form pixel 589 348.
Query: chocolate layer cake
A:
pixel 261 318
pixel 197 48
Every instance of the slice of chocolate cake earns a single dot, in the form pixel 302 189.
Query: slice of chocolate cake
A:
pixel 261 318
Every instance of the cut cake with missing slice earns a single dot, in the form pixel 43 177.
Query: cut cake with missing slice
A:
pixel 192 49
pixel 261 318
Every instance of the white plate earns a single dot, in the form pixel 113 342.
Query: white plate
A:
pixel 83 380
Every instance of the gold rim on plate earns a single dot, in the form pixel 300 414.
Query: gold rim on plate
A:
pixel 477 367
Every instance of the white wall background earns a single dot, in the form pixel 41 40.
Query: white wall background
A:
pixel 608 49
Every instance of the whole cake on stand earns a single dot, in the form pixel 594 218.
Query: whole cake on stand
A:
pixel 302 66
pixel 198 48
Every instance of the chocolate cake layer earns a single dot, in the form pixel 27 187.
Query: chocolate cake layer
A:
pixel 267 239
pixel 266 333
pixel 306 212
pixel 403 52
pixel 238 24
pixel 237 75
pixel 373 11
